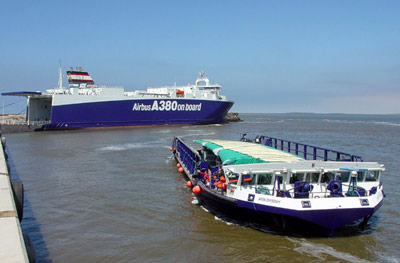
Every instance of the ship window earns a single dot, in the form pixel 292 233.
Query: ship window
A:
pixel 371 176
pixel 210 157
pixel 248 179
pixel 343 176
pixel 296 177
pixel 264 179
pixel 326 177
pixel 233 179
pixel 360 176
pixel 312 178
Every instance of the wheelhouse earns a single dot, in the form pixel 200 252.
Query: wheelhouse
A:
pixel 321 179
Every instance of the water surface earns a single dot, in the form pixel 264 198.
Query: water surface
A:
pixel 115 195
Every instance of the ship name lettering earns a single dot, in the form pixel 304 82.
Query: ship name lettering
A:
pixel 263 199
pixel 193 107
pixel 166 105
pixel 141 107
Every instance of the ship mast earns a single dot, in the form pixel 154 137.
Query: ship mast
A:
pixel 59 85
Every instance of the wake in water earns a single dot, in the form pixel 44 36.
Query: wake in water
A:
pixel 226 222
pixel 193 127
pixel 124 147
pixel 163 131
pixel 387 123
pixel 262 122
pixel 387 258
pixel 320 251
pixel 395 124
pixel 195 201
pixel 129 146
pixel 199 133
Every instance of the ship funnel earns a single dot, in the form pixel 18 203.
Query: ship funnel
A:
pixel 79 79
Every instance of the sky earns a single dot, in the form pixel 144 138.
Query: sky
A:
pixel 269 56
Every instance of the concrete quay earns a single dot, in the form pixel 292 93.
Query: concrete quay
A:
pixel 12 245
pixel 16 123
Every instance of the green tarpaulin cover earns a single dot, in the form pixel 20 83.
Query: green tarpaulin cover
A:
pixel 236 152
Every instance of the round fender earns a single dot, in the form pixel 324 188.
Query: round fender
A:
pixel 196 190
pixel 18 193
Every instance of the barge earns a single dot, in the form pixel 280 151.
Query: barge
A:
pixel 299 186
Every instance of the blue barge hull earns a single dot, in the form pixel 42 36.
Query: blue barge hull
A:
pixel 319 213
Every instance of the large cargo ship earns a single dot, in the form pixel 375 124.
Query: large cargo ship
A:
pixel 85 104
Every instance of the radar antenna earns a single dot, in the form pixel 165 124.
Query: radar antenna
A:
pixel 202 74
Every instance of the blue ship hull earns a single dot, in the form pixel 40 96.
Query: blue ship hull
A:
pixel 137 112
